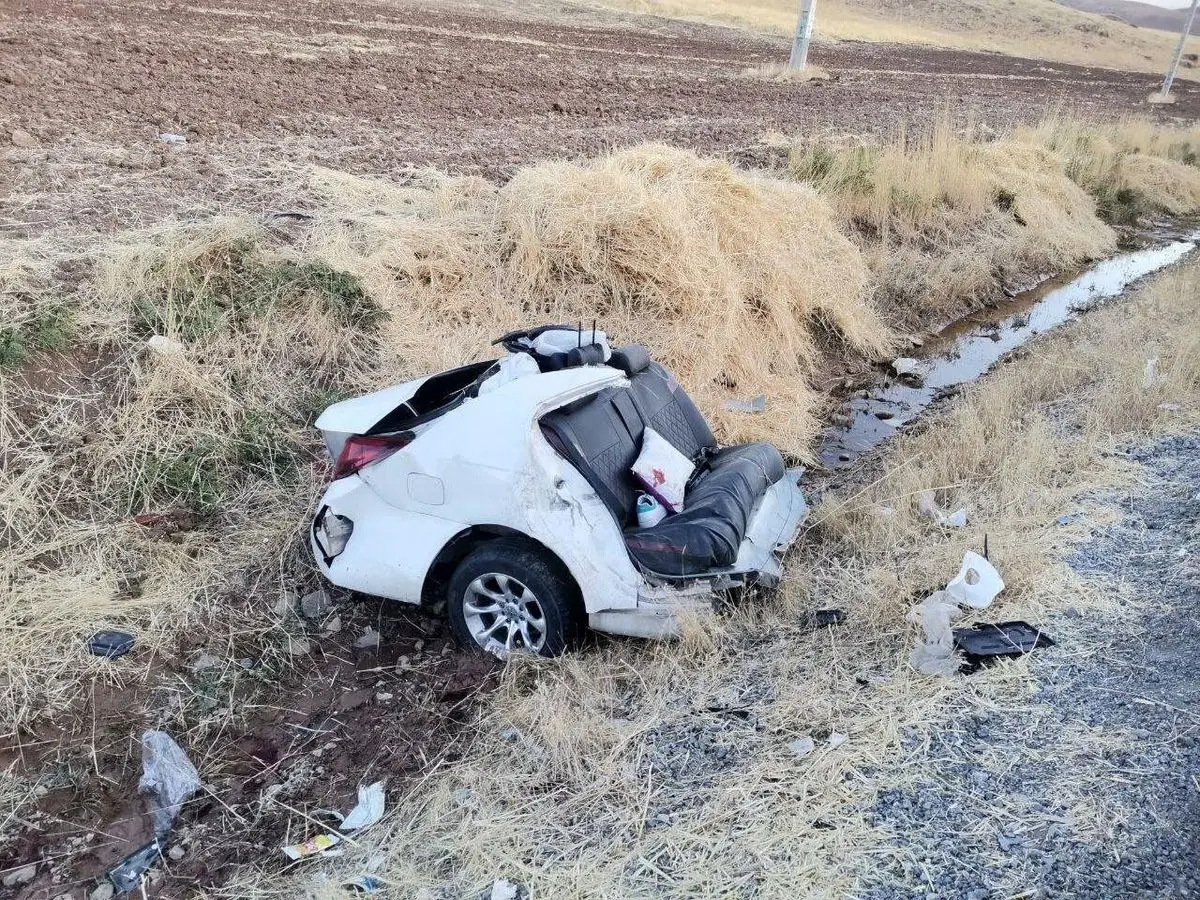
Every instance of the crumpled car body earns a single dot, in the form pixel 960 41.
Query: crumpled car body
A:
pixel 431 470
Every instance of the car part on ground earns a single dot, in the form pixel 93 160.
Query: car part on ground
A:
pixel 532 471
pixel 987 642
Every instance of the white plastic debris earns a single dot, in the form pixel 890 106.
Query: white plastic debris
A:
pixel 368 639
pixel 976 584
pixel 927 505
pixel 837 739
pixel 169 775
pixel 1151 372
pixel 564 340
pixel 369 809
pixel 512 367
pixel 169 137
pixel 906 365
pixel 802 746
pixel 935 655
pixel 503 889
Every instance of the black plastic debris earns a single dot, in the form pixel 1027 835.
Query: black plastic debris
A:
pixel 827 617
pixel 983 643
pixel 110 644
pixel 129 872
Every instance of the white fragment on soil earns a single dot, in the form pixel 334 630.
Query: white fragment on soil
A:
pixel 168 137
pixel 177 853
pixel 383 697
pixel 334 625
pixel 368 810
pixel 315 604
pixel 204 661
pixel 906 365
pixel 103 891
pixel 299 647
pixel 837 739
pixel 503 889
pixel 802 746
pixel 1169 407
pixel 164 346
pixel 368 639
pixel 23 875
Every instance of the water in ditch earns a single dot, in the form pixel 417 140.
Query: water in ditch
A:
pixel 965 349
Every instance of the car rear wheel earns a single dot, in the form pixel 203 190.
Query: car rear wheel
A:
pixel 507 597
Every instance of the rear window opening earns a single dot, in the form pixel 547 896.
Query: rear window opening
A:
pixel 437 396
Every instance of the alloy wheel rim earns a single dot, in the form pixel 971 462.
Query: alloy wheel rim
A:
pixel 504 615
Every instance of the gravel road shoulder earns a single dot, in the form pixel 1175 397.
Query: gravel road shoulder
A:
pixel 1090 786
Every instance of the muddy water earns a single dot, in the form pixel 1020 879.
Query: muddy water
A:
pixel 966 349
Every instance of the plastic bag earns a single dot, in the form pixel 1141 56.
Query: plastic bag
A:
pixel 169 775
pixel 935 656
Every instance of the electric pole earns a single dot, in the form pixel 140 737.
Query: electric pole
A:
pixel 804 27
pixel 1170 79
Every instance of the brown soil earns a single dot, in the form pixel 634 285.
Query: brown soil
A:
pixel 299 741
pixel 258 87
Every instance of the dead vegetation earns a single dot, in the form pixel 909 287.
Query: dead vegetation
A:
pixel 158 464
pixel 673 770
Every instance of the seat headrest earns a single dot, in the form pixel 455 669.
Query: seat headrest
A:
pixel 631 359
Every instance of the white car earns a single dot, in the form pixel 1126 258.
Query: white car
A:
pixel 503 489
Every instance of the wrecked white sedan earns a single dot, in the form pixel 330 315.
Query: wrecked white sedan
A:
pixel 506 489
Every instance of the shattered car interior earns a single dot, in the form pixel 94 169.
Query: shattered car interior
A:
pixel 506 490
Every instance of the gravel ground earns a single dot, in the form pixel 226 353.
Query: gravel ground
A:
pixel 1091 789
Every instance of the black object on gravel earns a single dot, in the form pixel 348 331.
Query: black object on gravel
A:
pixel 1092 790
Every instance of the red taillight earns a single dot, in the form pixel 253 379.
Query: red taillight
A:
pixel 362 450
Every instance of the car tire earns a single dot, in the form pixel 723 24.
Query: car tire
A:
pixel 507 595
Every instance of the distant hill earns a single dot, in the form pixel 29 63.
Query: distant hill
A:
pixel 1143 15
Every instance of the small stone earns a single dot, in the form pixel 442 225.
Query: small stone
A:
pixel 419 646
pixel 402 663
pixel 334 625
pixel 510 734
pixel 22 138
pixel 367 640
pixel 299 647
pixel 162 345
pixel 23 875
pixel 104 891
pixel 314 604
pixel 176 853
pixel 383 697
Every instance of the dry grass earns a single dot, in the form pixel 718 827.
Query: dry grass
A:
pixel 665 769
pixel 1131 166
pixel 945 219
pixel 783 72
pixel 705 264
pixel 1040 29
pixel 948 218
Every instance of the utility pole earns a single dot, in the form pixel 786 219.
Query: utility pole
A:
pixel 1170 79
pixel 804 27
